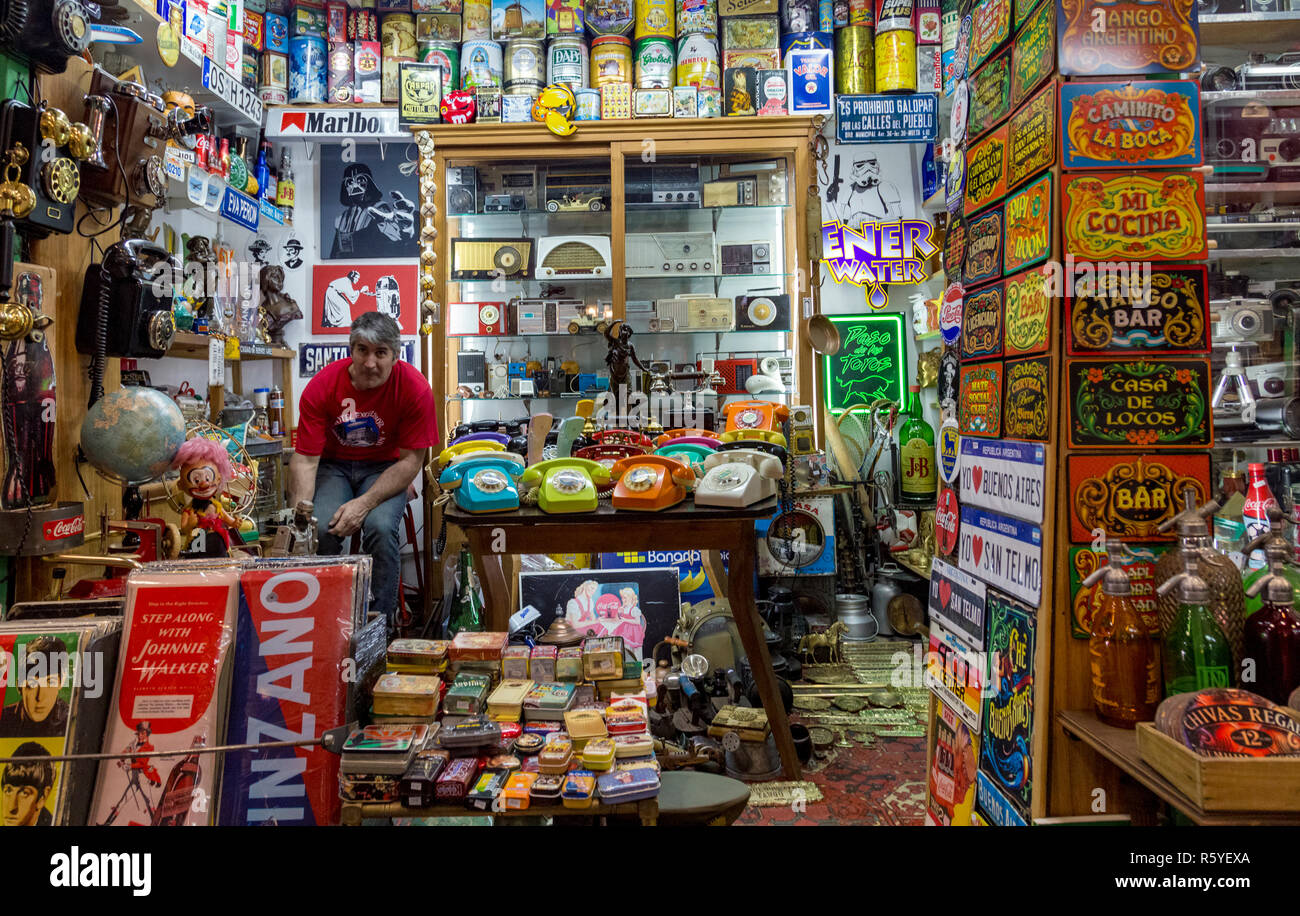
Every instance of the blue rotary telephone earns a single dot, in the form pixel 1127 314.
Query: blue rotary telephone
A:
pixel 487 482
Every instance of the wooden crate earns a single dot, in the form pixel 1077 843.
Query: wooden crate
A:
pixel 1223 783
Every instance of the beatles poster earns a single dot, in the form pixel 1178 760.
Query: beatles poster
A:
pixel 369 199
pixel 341 292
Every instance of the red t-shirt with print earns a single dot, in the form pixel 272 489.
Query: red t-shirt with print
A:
pixel 338 421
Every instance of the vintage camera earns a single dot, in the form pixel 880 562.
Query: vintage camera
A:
pixel 119 304
pixel 45 32
pixel 1242 321
pixel 1269 380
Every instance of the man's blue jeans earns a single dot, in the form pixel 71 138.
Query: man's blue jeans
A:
pixel 340 481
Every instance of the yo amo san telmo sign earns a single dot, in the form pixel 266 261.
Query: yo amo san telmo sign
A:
pixel 876 255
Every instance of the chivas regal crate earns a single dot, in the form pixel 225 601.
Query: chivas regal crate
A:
pixel 1265 784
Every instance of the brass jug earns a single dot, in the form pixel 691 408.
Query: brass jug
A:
pixel 1227 596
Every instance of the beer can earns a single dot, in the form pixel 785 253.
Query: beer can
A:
pixel 655 19
pixel 588 104
pixel 792 40
pixel 656 63
pixel 476 20
pixel 480 65
pixel 697 62
pixel 307 70
pixel 855 61
pixel 446 54
pixel 611 60
pixel 697 16
pixel 566 62
pixel 525 65
pixel 896 61
pixel 861 12
pixel 798 15
pixel 609 17
pixel 826 16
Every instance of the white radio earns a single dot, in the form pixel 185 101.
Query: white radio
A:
pixel 664 254
pixel 573 257
pixel 476 319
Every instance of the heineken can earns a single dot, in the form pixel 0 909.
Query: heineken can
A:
pixel 855 60
pixel 655 63
pixel 525 65
pixel 446 54
pixel 566 62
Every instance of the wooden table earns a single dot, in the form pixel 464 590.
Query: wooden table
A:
pixel 1120 747
pixel 684 527
pixel 355 812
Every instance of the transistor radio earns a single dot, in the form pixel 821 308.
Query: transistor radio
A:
pixel 462 190
pixel 662 186
pixel 762 313
pixel 573 257
pixel 693 313
pixel 545 316
pixel 731 192
pixel 802 441
pixel 666 254
pixel 476 319
pixel 495 179
pixel 471 370
pixel 748 258
pixel 734 372
pixel 488 259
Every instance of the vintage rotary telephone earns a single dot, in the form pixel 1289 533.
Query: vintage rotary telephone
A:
pixel 485 481
pixel 691 450
pixel 679 433
pixel 623 437
pixel 750 436
pixel 650 482
pixel 121 315
pixel 45 32
pixel 500 438
pixel 739 477
pixel 608 454
pixel 459 451
pixel 135 127
pixel 755 415
pixel 566 484
pixel 39 153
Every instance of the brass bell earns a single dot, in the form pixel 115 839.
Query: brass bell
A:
pixel 55 126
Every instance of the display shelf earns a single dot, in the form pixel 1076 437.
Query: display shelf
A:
pixel 678 279
pixel 1253 95
pixel 189 345
pixel 355 812
pixel 1120 747
pixel 1250 29
pixel 1252 254
pixel 1277 191
pixel 638 332
pixel 631 215
pixel 1228 445
pixel 1213 228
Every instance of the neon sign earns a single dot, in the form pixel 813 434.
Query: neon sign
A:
pixel 878 254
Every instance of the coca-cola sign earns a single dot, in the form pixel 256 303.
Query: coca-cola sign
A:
pixel 946 523
pixel 63 528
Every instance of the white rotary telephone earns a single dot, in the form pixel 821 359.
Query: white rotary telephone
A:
pixel 738 477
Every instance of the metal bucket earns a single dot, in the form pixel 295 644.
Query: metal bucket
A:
pixel 854 611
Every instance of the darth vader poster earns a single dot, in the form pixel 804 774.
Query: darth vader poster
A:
pixel 368 201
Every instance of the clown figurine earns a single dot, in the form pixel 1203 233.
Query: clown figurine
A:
pixel 205 471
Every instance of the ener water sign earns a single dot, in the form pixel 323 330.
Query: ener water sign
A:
pixel 887 118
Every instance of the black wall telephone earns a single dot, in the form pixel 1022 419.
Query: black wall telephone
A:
pixel 120 311
pixel 45 32
pixel 35 151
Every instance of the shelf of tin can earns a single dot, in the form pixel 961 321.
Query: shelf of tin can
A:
pixel 1252 254
pixel 1250 29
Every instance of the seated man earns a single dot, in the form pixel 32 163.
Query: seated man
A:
pixel 363 426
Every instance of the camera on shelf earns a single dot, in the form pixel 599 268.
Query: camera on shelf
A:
pixel 1248 140
pixel 1242 321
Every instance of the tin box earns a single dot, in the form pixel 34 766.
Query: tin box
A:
pixel 516 108
pixel 751 32
pixel 341 55
pixel 548 700
pixel 746 7
pixel 254 31
pixel 738 97
pixel 487 789
pixel 542 663
pixel 467 646
pixel 366 787
pixel 652 103
pixel 518 19
pixel 366 78
pixel 609 17
pixel 710 102
pixel 543 727
pixel 598 754
pixel 518 789
pixel 568 664
pixel 565 17
pixel 467 695
pixel 625 722
pixel 627 785
pixel 758 59
pixel 419 783
pixel 556 754
pixel 505 704
pixel 510 732
pixel 307 19
pixel 470 732
pixel 336 21
pixel 773 93
pixel 488 105
pixel 456 778
pixel 579 789
pixel 407 695
pixel 529 743
pixel 546 788
pixel 810 81
pixel 583 725
pixel 438 27
pixel 393 6
pixel 616 101
pixel 273 95
pixel 637 745
pixel 422 653
pixel 276 31
pixel 476 20
pixel 419 93
pixel 602 658
pixel 437 6
pixel 514 662
pixel 686 102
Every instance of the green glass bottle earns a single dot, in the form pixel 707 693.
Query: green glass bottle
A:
pixel 918 478
pixel 468 612
pixel 1196 653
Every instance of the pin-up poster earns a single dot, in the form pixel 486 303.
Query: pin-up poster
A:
pixel 1148 216
pixel 1151 124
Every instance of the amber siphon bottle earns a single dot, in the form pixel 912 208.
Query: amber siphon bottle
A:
pixel 1273 632
pixel 1124 654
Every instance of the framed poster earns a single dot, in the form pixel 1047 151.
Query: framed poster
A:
pixel 1165 310
pixel 1139 563
pixel 984 237
pixel 1141 403
pixel 1032 138
pixel 640 605
pixel 990 97
pixel 1033 56
pixel 1148 216
pixel 986 170
pixel 1027 398
pixel 981 322
pixel 1027 325
pixel 1102 37
pixel 1149 124
pixel 1129 496
pixel 342 292
pixel 979 401
pixel 369 201
pixel 1027 216
pixel 871 362
pixel 1008 738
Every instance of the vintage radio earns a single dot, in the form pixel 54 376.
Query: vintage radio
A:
pixel 135 132
pixel 476 319
pixel 763 313
pixel 748 258
pixel 488 259
pixel 462 190
pixel 662 186
pixel 573 257
pixel 769 176
pixel 731 192
pixel 693 313
pixel 802 441
pixel 522 388
pixel 1247 140
pixel 513 202
pixel 499 380
pixel 664 254
pixel 545 316
pixel 734 372
pixel 499 179
pixel 471 370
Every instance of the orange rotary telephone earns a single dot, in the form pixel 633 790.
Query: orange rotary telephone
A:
pixel 755 415
pixel 650 482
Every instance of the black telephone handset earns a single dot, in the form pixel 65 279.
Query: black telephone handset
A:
pixel 771 448
pixel 122 313
pixel 45 32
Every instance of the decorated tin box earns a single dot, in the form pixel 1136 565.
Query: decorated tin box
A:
pixel 629 785
pixel 556 754
pixel 548 700
pixel 477 646
pixel 518 789
pixel 506 702
pixel 420 781
pixel 583 725
pixel 541 665
pixel 615 101
pixel 489 785
pixel 652 103
pixel 579 789
pixel 407 695
pixel 625 722
pixel 456 779
pixel 546 788
pixel 568 664
pixel 369 787
pixel 529 743
pixel 598 754
pixel 514 662
pixel 631 746
pixel 602 658
pixel 472 732
pixel 467 694
pixel 430 654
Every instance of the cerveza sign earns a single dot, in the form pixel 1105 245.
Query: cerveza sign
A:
pixel 313 357
pixel 887 118
pixel 234 93
pixel 335 124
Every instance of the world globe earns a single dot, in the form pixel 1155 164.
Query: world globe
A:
pixel 132 434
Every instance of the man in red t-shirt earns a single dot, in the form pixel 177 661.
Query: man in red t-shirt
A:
pixel 363 426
